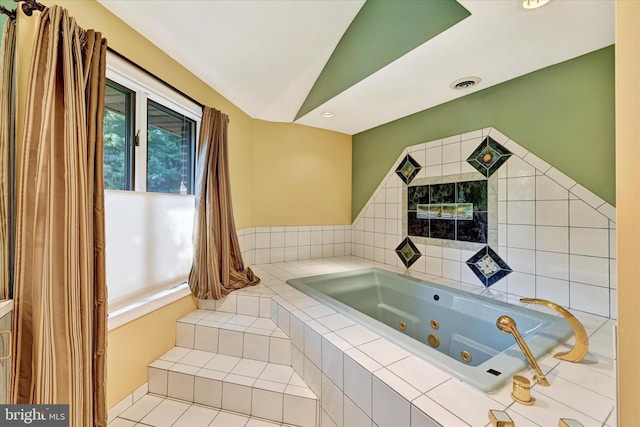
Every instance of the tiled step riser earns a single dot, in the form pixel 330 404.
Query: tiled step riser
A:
pixel 265 348
pixel 248 305
pixel 245 399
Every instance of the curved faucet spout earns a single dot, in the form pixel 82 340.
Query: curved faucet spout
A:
pixel 579 350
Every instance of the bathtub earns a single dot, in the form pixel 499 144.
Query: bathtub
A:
pixel 452 329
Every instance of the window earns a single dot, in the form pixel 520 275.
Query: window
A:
pixel 149 133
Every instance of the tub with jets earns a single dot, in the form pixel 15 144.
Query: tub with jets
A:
pixel 450 328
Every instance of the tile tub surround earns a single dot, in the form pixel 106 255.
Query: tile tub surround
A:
pixel 556 236
pixel 361 379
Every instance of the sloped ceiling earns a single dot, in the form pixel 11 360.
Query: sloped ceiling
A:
pixel 268 57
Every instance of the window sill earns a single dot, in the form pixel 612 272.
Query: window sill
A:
pixel 139 308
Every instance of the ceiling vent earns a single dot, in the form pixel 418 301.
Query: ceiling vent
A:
pixel 465 83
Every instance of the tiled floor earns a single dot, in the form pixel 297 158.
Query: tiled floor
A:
pixel 365 372
pixel 155 411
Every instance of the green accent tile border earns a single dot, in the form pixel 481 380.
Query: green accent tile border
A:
pixel 373 41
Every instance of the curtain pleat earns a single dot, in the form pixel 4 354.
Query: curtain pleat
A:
pixel 60 286
pixel 217 267
pixel 7 119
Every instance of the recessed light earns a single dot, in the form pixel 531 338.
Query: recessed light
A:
pixel 327 114
pixel 534 4
pixel 465 83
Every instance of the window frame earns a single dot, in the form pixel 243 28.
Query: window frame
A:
pixel 147 87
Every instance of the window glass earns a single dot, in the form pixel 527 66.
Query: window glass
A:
pixel 170 144
pixel 118 137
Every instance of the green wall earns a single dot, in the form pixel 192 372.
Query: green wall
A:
pixel 564 114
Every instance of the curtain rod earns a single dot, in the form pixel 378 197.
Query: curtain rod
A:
pixel 144 70
pixel 28 6
pixel 11 13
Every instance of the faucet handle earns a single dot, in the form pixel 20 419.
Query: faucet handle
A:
pixel 500 418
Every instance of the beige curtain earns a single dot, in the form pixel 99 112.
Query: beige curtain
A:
pixel 7 60
pixel 217 261
pixel 60 290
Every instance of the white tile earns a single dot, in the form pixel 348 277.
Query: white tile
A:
pixel 222 363
pixel 119 408
pixel 197 358
pixel 196 416
pixel 591 270
pixel 451 254
pixel 141 408
pixel 357 335
pixel 473 409
pixel 175 354
pixel 548 189
pixel 537 162
pixel 263 240
pixel 589 241
pixel 353 416
pixel 451 269
pixel 522 188
pixel 418 373
pixel 230 342
pixel 433 156
pixel 267 404
pixel 157 380
pixel 332 362
pixel 560 178
pixel 433 266
pixel 228 419
pixel 451 153
pixel 521 212
pixel 583 215
pixel 383 352
pixel 277 373
pixel 397 384
pixel 166 413
pixel 206 338
pixel 517 168
pixel 521 260
pixel 521 284
pixel 587 196
pixel 120 422
pixel 249 368
pixel 332 400
pixel 609 211
pixel 300 411
pixel 552 239
pixel 592 299
pixel 180 386
pixel 552 212
pixel 423 405
pixel 357 384
pixel 312 345
pixel 555 290
pixel 236 398
pixel 521 236
pixel 208 391
pixel 312 376
pixel 185 334
pixel 389 408
pixel 280 350
pixel 552 264
pixel 256 347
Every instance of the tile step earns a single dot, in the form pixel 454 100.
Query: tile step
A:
pixel 256 388
pixel 250 337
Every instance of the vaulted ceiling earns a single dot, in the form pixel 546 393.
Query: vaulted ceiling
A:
pixel 368 63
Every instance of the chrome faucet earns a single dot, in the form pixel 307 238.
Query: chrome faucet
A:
pixel 508 325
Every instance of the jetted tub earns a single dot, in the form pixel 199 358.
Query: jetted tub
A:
pixel 452 329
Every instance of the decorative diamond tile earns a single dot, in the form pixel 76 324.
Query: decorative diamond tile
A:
pixel 408 169
pixel 488 156
pixel 408 252
pixel 488 266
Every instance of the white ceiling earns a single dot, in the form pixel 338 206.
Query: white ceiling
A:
pixel 264 56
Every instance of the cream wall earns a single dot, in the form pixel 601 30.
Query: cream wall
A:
pixel 302 175
pixel 257 150
pixel 628 206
